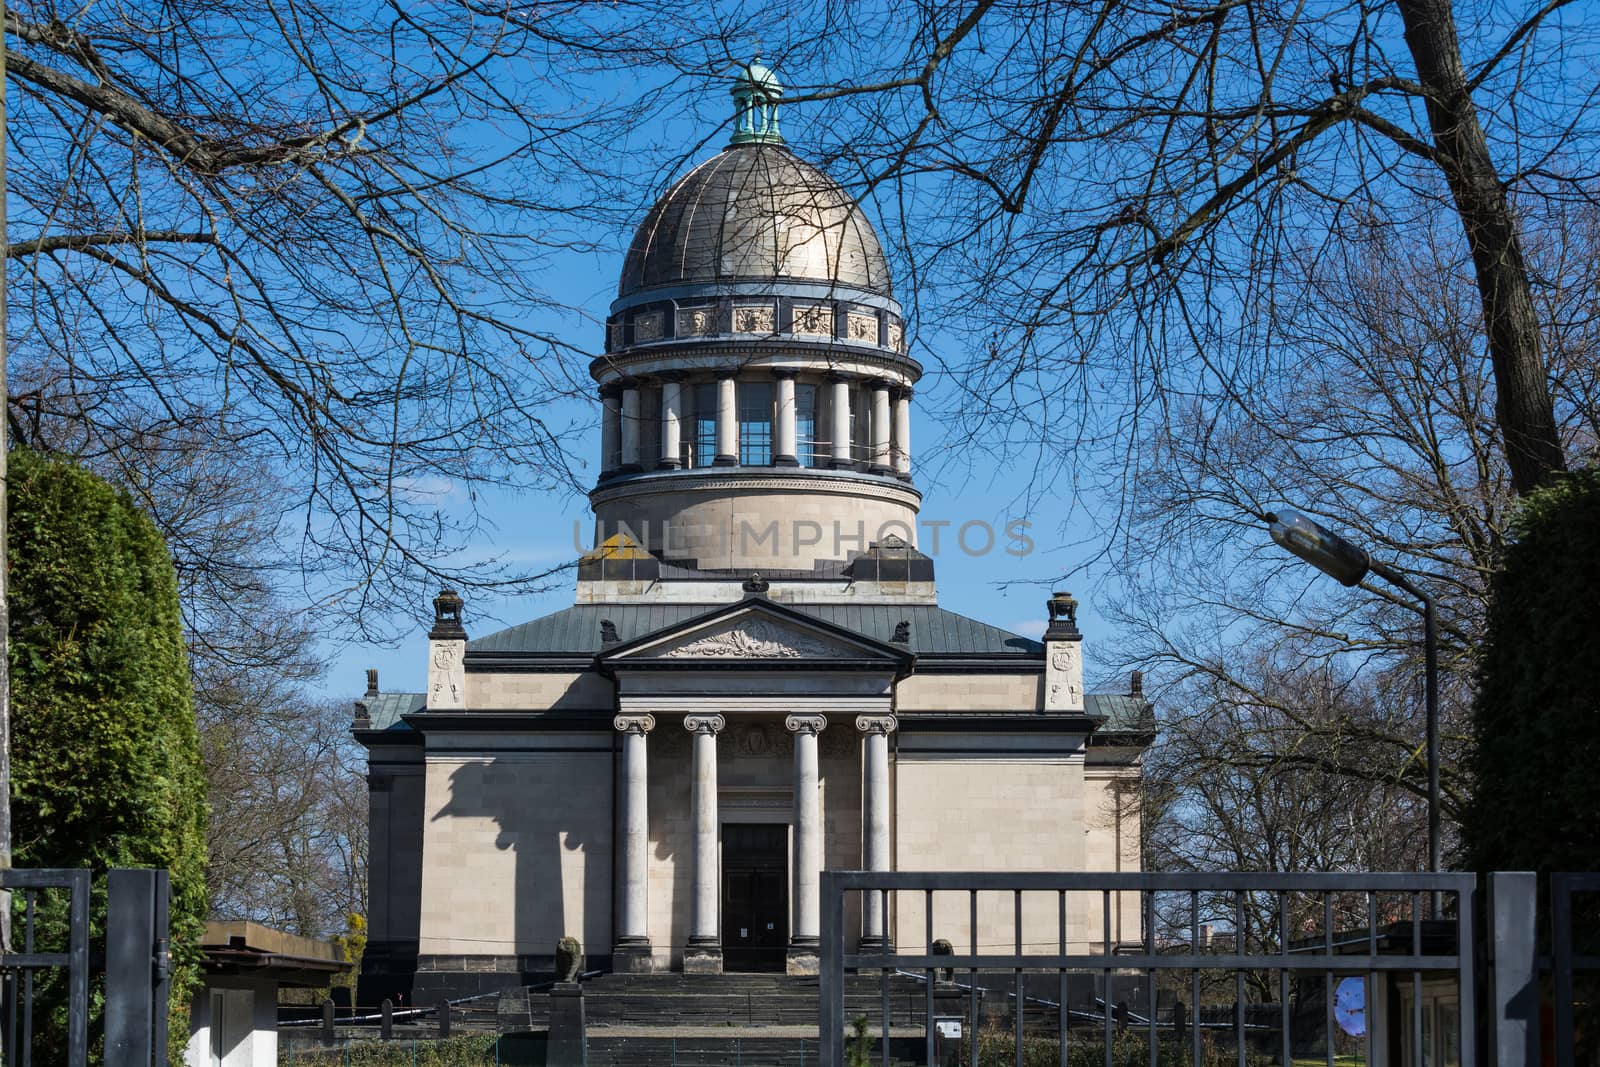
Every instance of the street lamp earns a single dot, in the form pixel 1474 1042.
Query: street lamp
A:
pixel 1338 558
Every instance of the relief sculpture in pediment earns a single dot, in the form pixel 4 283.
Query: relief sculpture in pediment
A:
pixel 759 639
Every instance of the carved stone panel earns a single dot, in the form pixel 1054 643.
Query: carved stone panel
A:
pixel 813 320
pixel 697 322
pixel 897 337
pixel 647 327
pixel 863 327
pixel 754 320
pixel 754 639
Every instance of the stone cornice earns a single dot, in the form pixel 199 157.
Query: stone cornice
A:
pixel 779 352
pixel 783 479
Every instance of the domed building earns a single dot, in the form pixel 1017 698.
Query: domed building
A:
pixel 756 681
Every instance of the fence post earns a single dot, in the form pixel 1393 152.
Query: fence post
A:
pixel 1514 967
pixel 386 1025
pixel 131 936
pixel 327 1020
pixel 444 1018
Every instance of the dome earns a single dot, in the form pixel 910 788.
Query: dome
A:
pixel 756 213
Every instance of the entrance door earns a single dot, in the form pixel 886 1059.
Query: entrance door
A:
pixel 755 896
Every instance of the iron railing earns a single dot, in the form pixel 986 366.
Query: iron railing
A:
pixel 1396 935
pixel 18 970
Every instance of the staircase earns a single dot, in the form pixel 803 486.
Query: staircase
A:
pixel 736 1019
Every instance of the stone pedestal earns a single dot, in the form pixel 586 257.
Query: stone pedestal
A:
pixel 702 959
pixel 632 958
pixel 568 1027
pixel 802 960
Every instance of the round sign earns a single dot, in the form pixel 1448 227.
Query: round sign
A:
pixel 1350 1006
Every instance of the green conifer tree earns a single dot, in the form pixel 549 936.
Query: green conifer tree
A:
pixel 105 752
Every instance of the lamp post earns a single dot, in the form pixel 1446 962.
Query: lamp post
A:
pixel 1348 564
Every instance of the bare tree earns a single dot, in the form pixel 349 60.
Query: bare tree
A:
pixel 317 232
pixel 1103 196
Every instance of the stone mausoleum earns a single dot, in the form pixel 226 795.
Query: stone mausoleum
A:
pixel 755 681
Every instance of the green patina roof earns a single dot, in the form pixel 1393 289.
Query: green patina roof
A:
pixel 934 631
pixel 1122 712
pixel 384 709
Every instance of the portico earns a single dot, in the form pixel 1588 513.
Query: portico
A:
pixel 754 663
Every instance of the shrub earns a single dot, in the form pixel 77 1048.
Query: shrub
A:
pixel 1536 720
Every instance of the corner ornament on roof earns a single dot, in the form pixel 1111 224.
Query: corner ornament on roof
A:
pixel 756 92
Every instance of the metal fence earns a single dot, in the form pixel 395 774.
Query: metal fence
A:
pixel 20 971
pixel 1569 955
pixel 1287 934
pixel 44 988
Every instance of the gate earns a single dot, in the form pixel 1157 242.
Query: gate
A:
pixel 1016 946
pixel 137 966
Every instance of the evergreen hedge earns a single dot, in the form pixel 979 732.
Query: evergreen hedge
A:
pixel 1536 721
pixel 105 765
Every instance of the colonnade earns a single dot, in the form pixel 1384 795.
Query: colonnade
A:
pixel 887 444
pixel 805 867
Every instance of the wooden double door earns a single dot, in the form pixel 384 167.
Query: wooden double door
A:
pixel 755 896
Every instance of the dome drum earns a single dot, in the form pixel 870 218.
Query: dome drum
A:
pixel 814 317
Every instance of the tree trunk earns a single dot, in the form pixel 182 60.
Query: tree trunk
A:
pixel 1524 409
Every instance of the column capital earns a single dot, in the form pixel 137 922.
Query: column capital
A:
pixel 878 383
pixel 806 724
pixel 782 373
pixel 901 392
pixel 630 382
pixel 704 724
pixel 634 724
pixel 836 376
pixel 611 390
pixel 670 375
pixel 877 724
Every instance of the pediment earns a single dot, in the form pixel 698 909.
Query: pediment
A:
pixel 754 632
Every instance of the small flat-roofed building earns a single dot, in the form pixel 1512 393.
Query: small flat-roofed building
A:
pixel 234 1019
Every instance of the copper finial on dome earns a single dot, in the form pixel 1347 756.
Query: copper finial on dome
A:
pixel 756 92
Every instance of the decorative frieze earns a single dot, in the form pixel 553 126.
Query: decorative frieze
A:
pixel 897 337
pixel 756 319
pixel 647 327
pixel 813 320
pixel 697 322
pixel 862 327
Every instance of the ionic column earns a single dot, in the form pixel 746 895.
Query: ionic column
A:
pixel 703 955
pixel 807 864
pixel 841 423
pixel 874 818
pixel 630 428
pixel 880 427
pixel 727 424
pixel 784 450
pixel 671 410
pixel 632 950
pixel 610 430
pixel 902 433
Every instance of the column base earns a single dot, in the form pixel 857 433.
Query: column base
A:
pixel 668 465
pixel 725 461
pixel 841 465
pixel 880 470
pixel 873 943
pixel 785 461
pixel 803 959
pixel 702 959
pixel 633 957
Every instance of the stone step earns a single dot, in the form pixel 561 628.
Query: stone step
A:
pixel 743 1050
